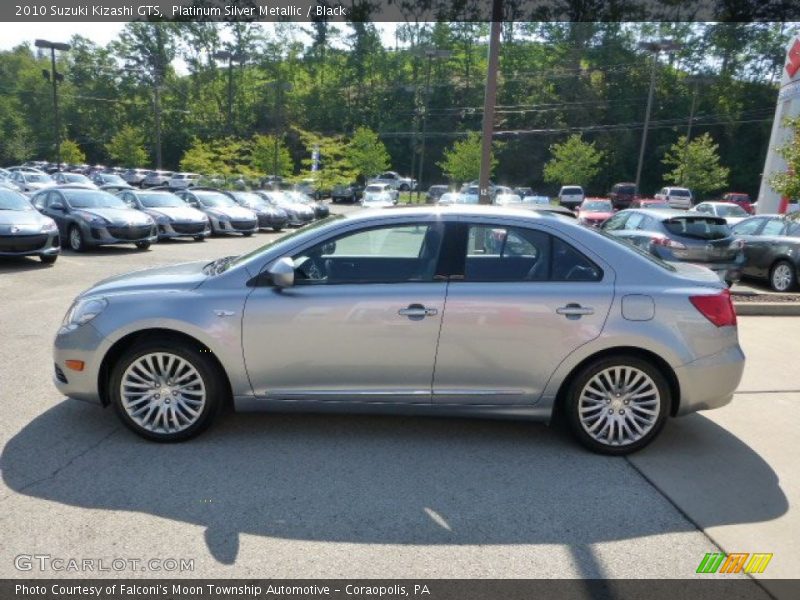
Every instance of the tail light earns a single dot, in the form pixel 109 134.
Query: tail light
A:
pixel 668 243
pixel 717 308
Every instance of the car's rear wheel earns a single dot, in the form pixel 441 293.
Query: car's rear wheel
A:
pixel 48 259
pixel 782 277
pixel 76 241
pixel 617 404
pixel 166 392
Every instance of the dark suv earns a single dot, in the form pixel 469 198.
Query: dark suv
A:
pixel 682 236
pixel 622 195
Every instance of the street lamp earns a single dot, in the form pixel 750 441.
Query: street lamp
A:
pixel 655 47
pixel 430 54
pixel 231 57
pixel 54 76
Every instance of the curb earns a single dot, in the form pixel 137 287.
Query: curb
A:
pixel 767 309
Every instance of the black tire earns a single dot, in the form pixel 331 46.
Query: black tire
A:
pixel 143 245
pixel 277 229
pixel 75 239
pixel 571 405
pixel 48 259
pixel 202 363
pixel 247 233
pixel 787 281
pixel 199 238
pixel 403 188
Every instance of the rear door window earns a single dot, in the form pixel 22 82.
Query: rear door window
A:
pixel 748 227
pixel 773 227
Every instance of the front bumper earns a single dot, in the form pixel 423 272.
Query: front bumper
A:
pixel 42 244
pixel 272 222
pixel 85 344
pixel 710 382
pixel 108 236
pixel 233 227
pixel 168 231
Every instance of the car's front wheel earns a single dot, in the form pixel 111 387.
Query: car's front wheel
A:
pixel 782 277
pixel 618 404
pixel 142 245
pixel 164 391
pixel 48 259
pixel 76 241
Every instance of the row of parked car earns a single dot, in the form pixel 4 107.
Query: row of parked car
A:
pixel 82 217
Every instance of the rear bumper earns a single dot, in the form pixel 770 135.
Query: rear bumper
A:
pixel 710 382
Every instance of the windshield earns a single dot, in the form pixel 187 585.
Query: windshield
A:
pixel 13 201
pixel 160 200
pixel 38 178
pixel 76 178
pixel 250 198
pixel 629 245
pixel 92 199
pixel 214 199
pixel 731 211
pixel 702 228
pixel 597 205
pixel 375 188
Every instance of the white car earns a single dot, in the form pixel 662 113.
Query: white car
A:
pixel 379 195
pixel 730 211
pixel 395 181
pixel 676 197
pixel 31 181
pixel 571 196
pixel 505 198
pixel 181 181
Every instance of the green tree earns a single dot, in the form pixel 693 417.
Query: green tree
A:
pixel 334 169
pixel 574 162
pixel 127 147
pixel 71 152
pixel 366 154
pixel 199 158
pixel 269 155
pixel 462 161
pixel 787 184
pixel 696 165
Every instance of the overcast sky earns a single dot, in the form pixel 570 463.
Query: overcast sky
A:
pixel 13 34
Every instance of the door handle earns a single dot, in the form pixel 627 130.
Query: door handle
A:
pixel 417 311
pixel 574 309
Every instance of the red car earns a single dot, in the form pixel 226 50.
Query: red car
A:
pixel 595 211
pixel 741 199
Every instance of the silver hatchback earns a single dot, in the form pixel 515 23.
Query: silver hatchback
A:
pixel 465 311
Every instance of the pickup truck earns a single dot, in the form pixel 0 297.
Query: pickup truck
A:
pixel 393 179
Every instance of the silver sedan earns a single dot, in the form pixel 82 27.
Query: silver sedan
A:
pixel 467 311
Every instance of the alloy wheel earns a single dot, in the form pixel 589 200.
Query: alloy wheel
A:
pixel 162 393
pixel 619 405
pixel 782 277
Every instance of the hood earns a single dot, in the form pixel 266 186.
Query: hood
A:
pixel 39 185
pixel 177 214
pixel 184 276
pixel 118 216
pixel 26 219
pixel 234 212
pixel 377 202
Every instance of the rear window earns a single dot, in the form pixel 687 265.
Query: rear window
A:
pixel 625 189
pixel 682 193
pixel 571 190
pixel 698 228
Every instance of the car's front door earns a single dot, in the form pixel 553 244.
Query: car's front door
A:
pixel 360 324
pixel 527 299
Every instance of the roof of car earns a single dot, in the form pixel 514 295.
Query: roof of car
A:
pixel 464 210
pixel 665 213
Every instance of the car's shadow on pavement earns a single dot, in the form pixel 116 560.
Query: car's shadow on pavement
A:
pixel 16 264
pixel 384 480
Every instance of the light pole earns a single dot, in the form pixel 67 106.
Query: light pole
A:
pixel 54 76
pixel 655 48
pixel 231 57
pixel 489 98
pixel 430 54
pixel 280 88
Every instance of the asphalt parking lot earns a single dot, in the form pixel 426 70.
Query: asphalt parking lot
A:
pixel 359 496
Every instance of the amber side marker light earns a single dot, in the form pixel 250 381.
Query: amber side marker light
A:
pixel 75 365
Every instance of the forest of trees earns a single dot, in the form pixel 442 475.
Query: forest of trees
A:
pixel 323 81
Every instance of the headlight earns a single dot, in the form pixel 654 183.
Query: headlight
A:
pixel 82 311
pixel 49 226
pixel 162 220
pixel 92 219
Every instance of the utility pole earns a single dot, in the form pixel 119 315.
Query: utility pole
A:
pixel 231 57
pixel 54 76
pixel 157 115
pixel 489 99
pixel 280 87
pixel 430 54
pixel 654 47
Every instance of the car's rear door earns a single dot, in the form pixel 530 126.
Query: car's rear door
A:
pixel 521 300
pixel 360 324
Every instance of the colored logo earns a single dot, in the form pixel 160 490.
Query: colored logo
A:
pixel 793 64
pixel 736 562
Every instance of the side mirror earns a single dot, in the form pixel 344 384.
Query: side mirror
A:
pixel 282 272
pixel 57 206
